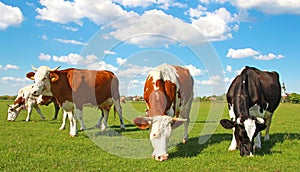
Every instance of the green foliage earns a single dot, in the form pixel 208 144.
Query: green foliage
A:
pixel 294 98
pixel 39 145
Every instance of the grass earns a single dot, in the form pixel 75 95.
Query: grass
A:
pixel 39 145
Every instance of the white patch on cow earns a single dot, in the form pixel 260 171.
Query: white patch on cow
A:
pixel 156 75
pixel 159 135
pixel 42 81
pixel 231 113
pixel 250 128
pixel 68 106
pixel 255 111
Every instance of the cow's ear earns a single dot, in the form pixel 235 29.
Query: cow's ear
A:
pixel 53 77
pixel 260 127
pixel 228 124
pixel 30 75
pixel 141 123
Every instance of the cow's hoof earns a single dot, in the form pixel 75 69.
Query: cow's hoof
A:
pixel 184 141
pixel 61 128
pixel 122 129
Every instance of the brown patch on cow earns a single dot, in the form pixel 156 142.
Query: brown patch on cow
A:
pixel 85 86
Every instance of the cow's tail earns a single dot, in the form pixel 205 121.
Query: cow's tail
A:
pixel 115 112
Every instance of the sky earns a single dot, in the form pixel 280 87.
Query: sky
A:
pixel 214 39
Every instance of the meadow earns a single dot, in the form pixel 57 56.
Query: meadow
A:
pixel 39 146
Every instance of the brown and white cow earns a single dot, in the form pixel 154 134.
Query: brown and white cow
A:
pixel 73 88
pixel 25 100
pixel 168 92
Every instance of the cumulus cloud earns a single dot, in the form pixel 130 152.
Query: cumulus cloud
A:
pixel 100 12
pixel 193 70
pixel 44 57
pixel 269 56
pixel 109 52
pixel 10 16
pixel 13 79
pixel 213 80
pixel 67 41
pixel 102 65
pixel 229 68
pixel 241 53
pixel 273 7
pixel 248 52
pixel 8 67
pixel 121 61
pixel 216 25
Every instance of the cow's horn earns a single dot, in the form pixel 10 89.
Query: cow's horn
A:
pixel 260 120
pixel 179 119
pixel 34 68
pixel 54 69
pixel 148 118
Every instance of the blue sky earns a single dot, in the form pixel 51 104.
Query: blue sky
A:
pixel 215 39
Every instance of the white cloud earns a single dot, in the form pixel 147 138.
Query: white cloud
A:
pixel 108 52
pixel 273 7
pixel 8 67
pixel 133 71
pixel 72 58
pixel 121 61
pixel 67 41
pixel 248 52
pixel 135 84
pixel 44 37
pixel 13 79
pixel 44 57
pixel 102 65
pixel 164 4
pixel 59 11
pixel 229 68
pixel 100 12
pixel 215 26
pixel 73 29
pixel 214 80
pixel 242 53
pixel 269 56
pixel 10 16
pixel 193 70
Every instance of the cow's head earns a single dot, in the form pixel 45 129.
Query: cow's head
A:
pixel 42 80
pixel 13 112
pixel 245 130
pixel 160 133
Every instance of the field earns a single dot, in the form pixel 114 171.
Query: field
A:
pixel 39 145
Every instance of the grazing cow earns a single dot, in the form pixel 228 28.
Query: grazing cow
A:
pixel 73 88
pixel 25 100
pixel 168 92
pixel 252 99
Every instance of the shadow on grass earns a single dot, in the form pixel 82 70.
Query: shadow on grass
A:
pixel 193 147
pixel 274 139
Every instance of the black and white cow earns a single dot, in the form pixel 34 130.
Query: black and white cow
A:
pixel 252 99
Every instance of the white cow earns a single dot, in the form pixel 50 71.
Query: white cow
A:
pixel 25 100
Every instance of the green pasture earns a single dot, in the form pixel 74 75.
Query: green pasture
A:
pixel 39 146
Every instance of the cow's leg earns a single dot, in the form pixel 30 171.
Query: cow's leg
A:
pixel 233 144
pixel 79 116
pixel 39 111
pixel 268 118
pixel 73 125
pixel 186 132
pixel 29 111
pixel 118 108
pixel 63 124
pixel 257 141
pixel 56 107
pixel 99 122
pixel 104 124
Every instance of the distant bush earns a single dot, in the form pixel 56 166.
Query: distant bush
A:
pixel 7 97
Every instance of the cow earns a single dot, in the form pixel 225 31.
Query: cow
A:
pixel 73 88
pixel 25 100
pixel 168 92
pixel 252 99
